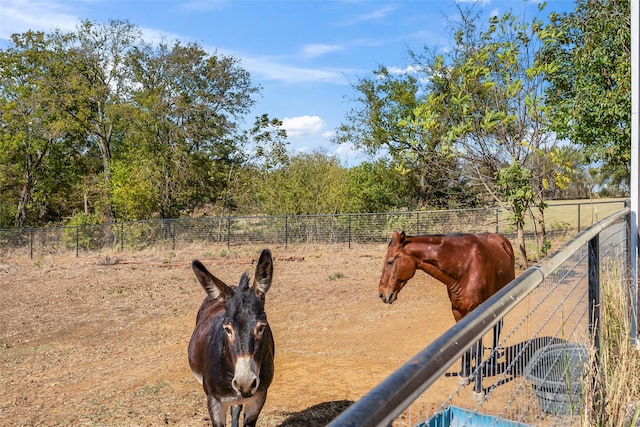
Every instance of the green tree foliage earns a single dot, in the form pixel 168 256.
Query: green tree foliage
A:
pixel 589 54
pixel 377 187
pixel 37 159
pixel 316 183
pixel 384 122
pixel 306 184
pixel 97 122
pixel 95 87
pixel 188 106
pixel 488 92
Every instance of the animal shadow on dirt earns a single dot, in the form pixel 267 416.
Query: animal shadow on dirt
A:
pixel 514 359
pixel 316 415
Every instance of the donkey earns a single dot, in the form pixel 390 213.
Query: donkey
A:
pixel 231 350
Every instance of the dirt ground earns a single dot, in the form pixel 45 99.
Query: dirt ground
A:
pixel 102 339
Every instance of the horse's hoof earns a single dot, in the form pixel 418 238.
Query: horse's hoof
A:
pixel 478 396
pixel 463 381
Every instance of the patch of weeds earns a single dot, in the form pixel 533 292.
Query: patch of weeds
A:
pixel 208 254
pixel 116 290
pixel 150 389
pixel 335 276
pixel 170 256
pixel 223 253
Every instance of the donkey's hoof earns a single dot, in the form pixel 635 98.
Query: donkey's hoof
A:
pixel 478 396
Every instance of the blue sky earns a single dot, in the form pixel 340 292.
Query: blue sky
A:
pixel 304 54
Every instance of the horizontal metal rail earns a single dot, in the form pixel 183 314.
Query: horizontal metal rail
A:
pixel 391 397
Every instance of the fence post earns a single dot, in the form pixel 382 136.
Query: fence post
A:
pixel 632 254
pixel 121 236
pixel 31 243
pixel 286 232
pixel 349 230
pixel 173 235
pixel 497 219
pixel 228 232
pixel 579 217
pixel 77 239
pixel 594 291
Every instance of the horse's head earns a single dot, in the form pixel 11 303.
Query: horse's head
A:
pixel 243 326
pixel 398 268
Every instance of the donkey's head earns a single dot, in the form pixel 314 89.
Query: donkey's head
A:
pixel 244 324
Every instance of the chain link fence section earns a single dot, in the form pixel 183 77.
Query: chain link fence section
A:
pixel 346 229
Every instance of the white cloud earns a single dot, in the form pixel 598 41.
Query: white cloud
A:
pixel 328 134
pixel 480 2
pixel 349 155
pixel 409 69
pixel 302 125
pixel 319 49
pixel 18 16
pixel 273 69
pixel 22 15
pixel 377 14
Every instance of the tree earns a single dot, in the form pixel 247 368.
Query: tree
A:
pixel 488 92
pixel 384 121
pixel 306 184
pixel 35 153
pixel 589 54
pixel 376 187
pixel 189 104
pixel 95 87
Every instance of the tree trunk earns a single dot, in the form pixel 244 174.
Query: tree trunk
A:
pixel 542 235
pixel 25 196
pixel 522 246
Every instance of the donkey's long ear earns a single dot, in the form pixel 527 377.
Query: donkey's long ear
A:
pixel 211 284
pixel 264 274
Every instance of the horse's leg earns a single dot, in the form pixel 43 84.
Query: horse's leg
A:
pixel 464 376
pixel 497 329
pixel 235 415
pixel 478 391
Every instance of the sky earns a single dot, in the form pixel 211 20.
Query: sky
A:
pixel 305 55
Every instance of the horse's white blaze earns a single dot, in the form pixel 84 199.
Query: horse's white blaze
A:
pixel 247 377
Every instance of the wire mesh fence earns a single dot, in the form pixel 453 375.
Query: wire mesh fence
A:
pixel 346 229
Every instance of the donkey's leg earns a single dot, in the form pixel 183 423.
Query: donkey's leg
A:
pixel 217 411
pixel 235 415
pixel 252 409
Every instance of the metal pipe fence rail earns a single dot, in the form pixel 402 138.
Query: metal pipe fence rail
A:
pixel 346 229
pixel 550 314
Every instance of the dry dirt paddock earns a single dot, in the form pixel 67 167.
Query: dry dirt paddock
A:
pixel 102 339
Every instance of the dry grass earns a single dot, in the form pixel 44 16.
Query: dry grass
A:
pixel 612 398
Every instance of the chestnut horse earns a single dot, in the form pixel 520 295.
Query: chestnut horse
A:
pixel 473 266
pixel 231 350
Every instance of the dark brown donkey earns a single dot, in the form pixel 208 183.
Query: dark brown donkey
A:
pixel 473 266
pixel 231 350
